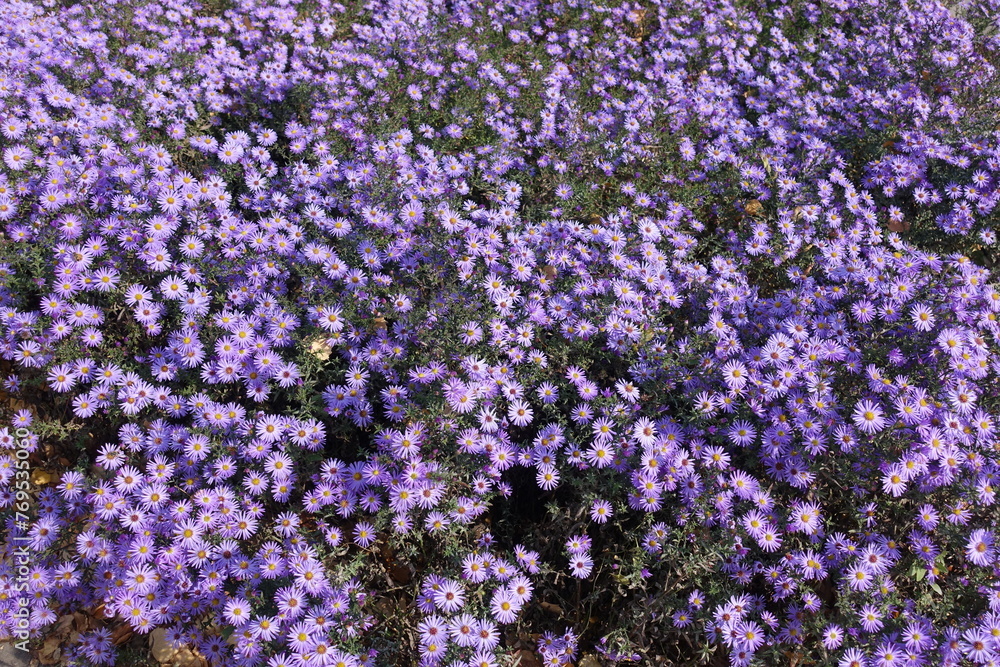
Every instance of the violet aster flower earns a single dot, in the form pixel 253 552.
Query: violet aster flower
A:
pixel 601 511
pixel 450 596
pixel 833 636
pixel 980 549
pixel 581 565
pixel 869 417
pixel 270 275
pixel 871 619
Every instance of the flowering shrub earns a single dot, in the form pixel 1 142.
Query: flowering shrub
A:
pixel 409 332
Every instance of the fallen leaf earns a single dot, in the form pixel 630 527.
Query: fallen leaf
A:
pixel 166 654
pixel 320 349
pixel 82 622
pixel 50 651
pixel 400 573
pixel 551 608
pixel 121 633
pixel 899 226
pixel 40 477
pixel 523 658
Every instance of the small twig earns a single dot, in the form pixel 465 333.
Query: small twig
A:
pixel 579 585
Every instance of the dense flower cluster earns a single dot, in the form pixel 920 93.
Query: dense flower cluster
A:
pixel 347 282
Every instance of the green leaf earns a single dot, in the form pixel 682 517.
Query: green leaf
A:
pixel 921 573
pixel 937 589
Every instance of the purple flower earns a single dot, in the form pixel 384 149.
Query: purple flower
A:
pixel 449 597
pixel 237 612
pixel 578 544
pixel 601 511
pixel 870 618
pixel 869 417
pixel 853 657
pixel 364 534
pixel 581 565
pixel 547 478
pixel 833 637
pixel 979 549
